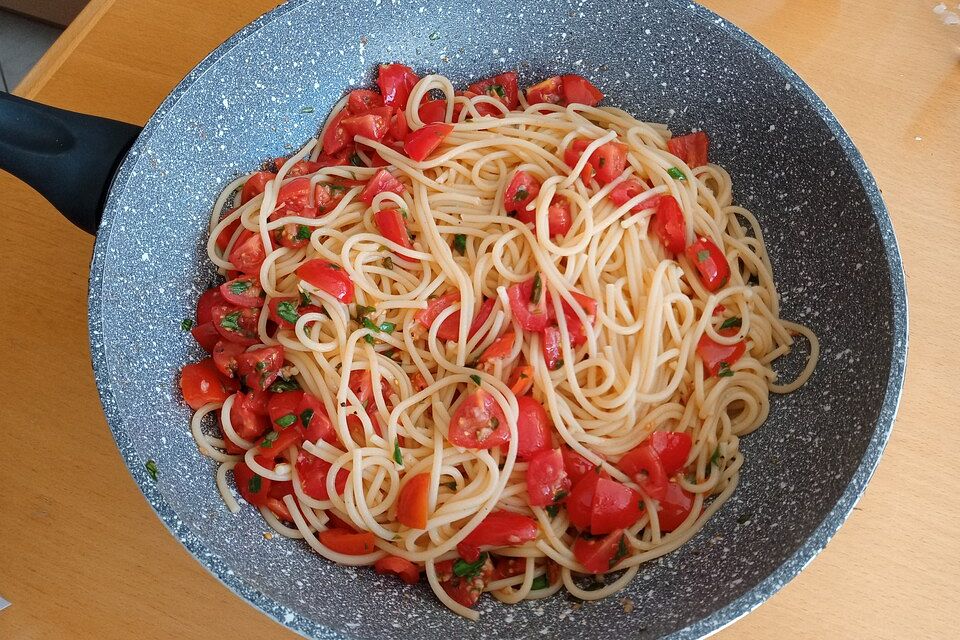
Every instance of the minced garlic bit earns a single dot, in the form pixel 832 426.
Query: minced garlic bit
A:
pixel 268 536
pixel 627 604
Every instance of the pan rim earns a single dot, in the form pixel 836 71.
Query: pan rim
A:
pixel 703 627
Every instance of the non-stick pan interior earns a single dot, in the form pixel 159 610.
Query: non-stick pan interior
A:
pixel 268 89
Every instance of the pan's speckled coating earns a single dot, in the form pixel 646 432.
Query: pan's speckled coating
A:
pixel 832 245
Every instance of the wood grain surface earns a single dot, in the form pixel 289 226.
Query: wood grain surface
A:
pixel 84 556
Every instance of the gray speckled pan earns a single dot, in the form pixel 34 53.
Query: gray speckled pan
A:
pixel 831 242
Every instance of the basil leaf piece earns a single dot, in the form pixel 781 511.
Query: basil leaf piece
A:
pixel 186 324
pixel 735 321
pixel 676 174
pixel 475 378
pixel 460 243
pixel 286 421
pixel 397 455
pixel 152 469
pixel 469 570
pixel 540 582
pixel 288 311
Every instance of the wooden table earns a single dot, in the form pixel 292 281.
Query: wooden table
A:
pixel 85 557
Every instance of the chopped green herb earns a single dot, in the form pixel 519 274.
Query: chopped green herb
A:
pixel 452 485
pixel 387 327
pixel 621 551
pixel 735 321
pixel 560 495
pixel 521 194
pixel 260 366
pixel 288 311
pixel 403 212
pixel 552 510
pixel 715 458
pixel 336 188
pixel 537 291
pixel 152 469
pixel 306 416
pixel 254 484
pixel 306 110
pixel 269 439
pixel 303 232
pixel 469 570
pixel 540 582
pixel 744 518
pixel 363 311
pixel 305 298
pixel 356 160
pixel 388 262
pixel 558 365
pixel 498 89
pixel 676 174
pixel 460 243
pixel 286 421
pixel 368 324
pixel 434 36
pixel 282 385
pixel 702 255
pixel 603 161
pixel 725 370
pixel 494 423
pixel 186 324
pixel 237 287
pixel 369 339
pixel 334 266
pixel 397 455
pixel 231 321
pixel 475 378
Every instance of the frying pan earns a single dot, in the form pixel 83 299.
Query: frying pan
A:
pixel 267 89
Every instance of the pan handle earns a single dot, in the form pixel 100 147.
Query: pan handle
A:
pixel 70 158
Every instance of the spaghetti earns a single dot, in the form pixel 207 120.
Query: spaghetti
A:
pixel 507 339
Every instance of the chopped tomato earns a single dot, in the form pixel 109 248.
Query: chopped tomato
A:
pixel 629 189
pixel 431 111
pixel 348 542
pixel 643 465
pixel 412 502
pixel 576 465
pixel 673 447
pixel 248 253
pixel 498 350
pixel 600 555
pixel 201 383
pixel 427 316
pixel 521 191
pixel 237 324
pixel 718 358
pixel 244 291
pixel 254 488
pixel 336 138
pixel 368 125
pixel 609 161
pixel 478 422
pixel 710 262
pixel 579 90
pixel 547 480
pixel 615 506
pixel 284 311
pixel 418 381
pixel 314 420
pixel 293 236
pixel 571 156
pixel 312 473
pixel 225 357
pixel 674 508
pixel 398 126
pixel 559 219
pixel 521 380
pixel 381 182
pixel 391 226
pixel 580 501
pixel 361 384
pixel 301 168
pixel 549 90
pixel 464 589
pixel 400 567
pixel 328 277
pixel 503 87
pixel 206 336
pixel 552 351
pixel 255 185
pixel 528 304
pixel 282 409
pixel 363 100
pixel 294 198
pixel 578 335
pixel 395 82
pixel 421 143
pixel 276 442
pixel 449 329
pixel 260 368
pixel 247 417
pixel 533 428
pixel 506 567
pixel 499 529
pixel 208 300
pixel 691 148
pixel 669 225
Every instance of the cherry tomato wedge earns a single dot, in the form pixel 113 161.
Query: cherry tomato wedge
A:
pixel 521 191
pixel 368 125
pixel 673 448
pixel 248 253
pixel 498 350
pixel 691 148
pixel 533 428
pixel 521 380
pixel 629 189
pixel 255 185
pixel 381 182
pixel 549 91
pixel 362 100
pixel 503 87
pixel 244 291
pixel 400 567
pixel 465 589
pixel 643 465
pixel 427 316
pixel 336 138
pixel 260 368
pixel 206 336
pixel 674 508
pixel 528 304
pixel 498 529
pixel 207 301
pixel 575 464
pixel 478 422
pixel 395 82
pixel 347 542
pixel 254 488
pixel 669 226
pixel 572 154
pixel 552 350
pixel 609 161
pixel 412 502
pixel 314 420
pixel 449 329
pixel 422 142
pixel 237 324
pixel 718 358
pixel 312 473
pixel 599 555
pixel 710 262
pixel 248 415
pixel 431 111
pixel 579 90
pixel 202 383
pixel 580 501
pixel 547 480
pixel 615 506
pixel 225 357
pixel 559 218
pixel 391 226
pixel 328 277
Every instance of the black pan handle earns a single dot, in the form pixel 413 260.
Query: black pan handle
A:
pixel 70 158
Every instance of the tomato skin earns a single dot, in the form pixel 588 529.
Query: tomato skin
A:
pixel 237 324
pixel 368 125
pixel 714 354
pixel 328 277
pixel 449 329
pixel 579 90
pixel 312 473
pixel 248 253
pixel 506 567
pixel 463 590
pixel 580 501
pixel 599 555
pixel 609 161
pixel 391 225
pixel 431 111
pixel 521 380
pixel 498 350
pixel 207 301
pixel 571 156
pixel 575 328
pixel 400 567
pixel 478 422
pixel 643 465
pixel 615 506
pixel 255 185
pixel 669 226
pixel 522 190
pixel 276 442
pixel 710 262
pixel 294 198
pixel 300 168
pixel 248 291
pixel 672 447
pixel 255 489
pixel 549 91
pixel 552 350
pixel 422 142
pixel 559 219
pixel 381 182
pixel 427 316
pixel 532 316
pixel 225 357
pixel 202 383
pixel 362 100
pixel 412 502
pixel 317 426
pixel 629 189
pixel 547 480
pixel 398 126
pixel 206 336
pixel 691 148
pixel 247 418
pixel 348 542
pixel 498 529
pixel 506 81
pixel 575 464
pixel 674 508
pixel 336 138
pixel 533 428
pixel 260 368
pixel 395 82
